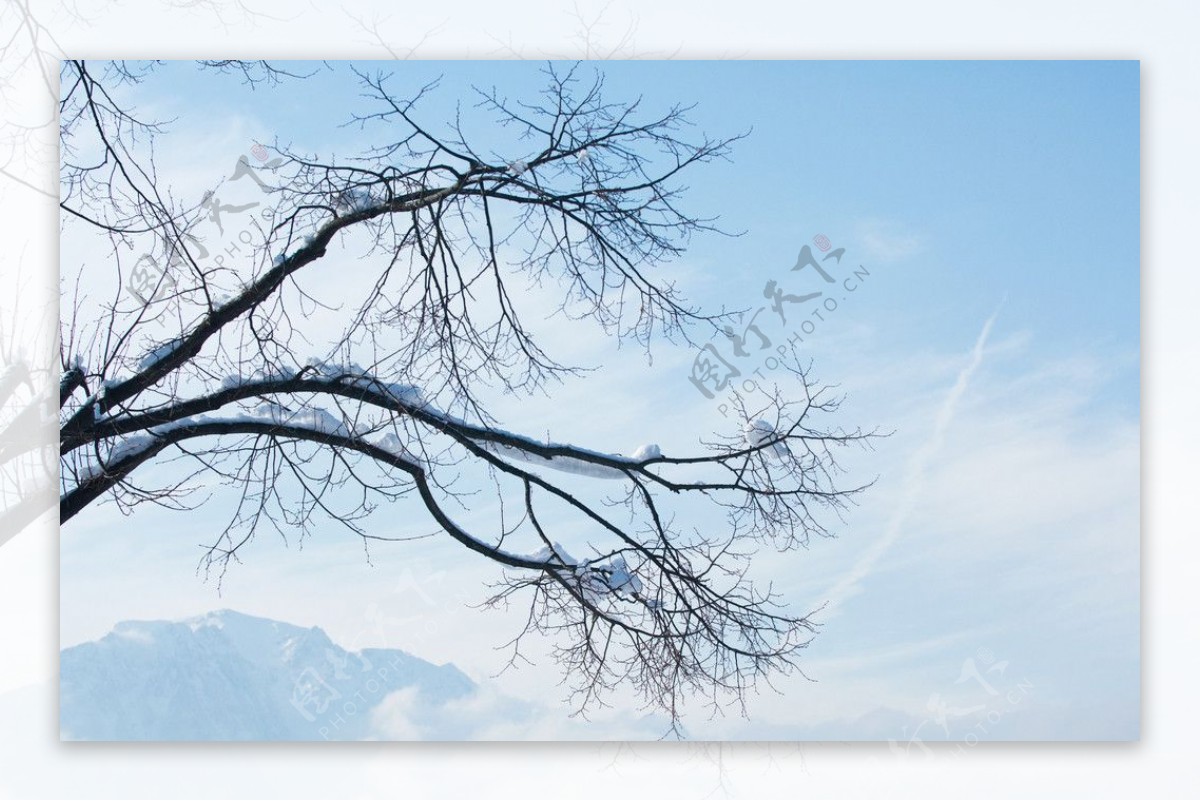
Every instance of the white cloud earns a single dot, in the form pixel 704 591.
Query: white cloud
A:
pixel 490 715
pixel 887 241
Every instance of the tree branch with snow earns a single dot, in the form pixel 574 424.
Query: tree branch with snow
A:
pixel 395 410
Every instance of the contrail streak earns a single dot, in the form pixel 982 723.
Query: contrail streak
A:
pixel 914 481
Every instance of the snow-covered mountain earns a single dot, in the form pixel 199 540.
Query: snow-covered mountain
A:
pixel 230 676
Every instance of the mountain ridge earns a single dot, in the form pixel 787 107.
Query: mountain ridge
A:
pixel 227 675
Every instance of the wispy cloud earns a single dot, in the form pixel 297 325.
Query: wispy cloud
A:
pixel 887 241
pixel 915 478
pixel 490 715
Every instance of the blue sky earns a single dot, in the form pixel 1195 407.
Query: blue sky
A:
pixel 1005 521
pixel 1020 177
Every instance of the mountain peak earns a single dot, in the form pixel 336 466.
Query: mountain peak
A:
pixel 227 675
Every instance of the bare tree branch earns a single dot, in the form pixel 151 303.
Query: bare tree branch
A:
pixel 235 399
